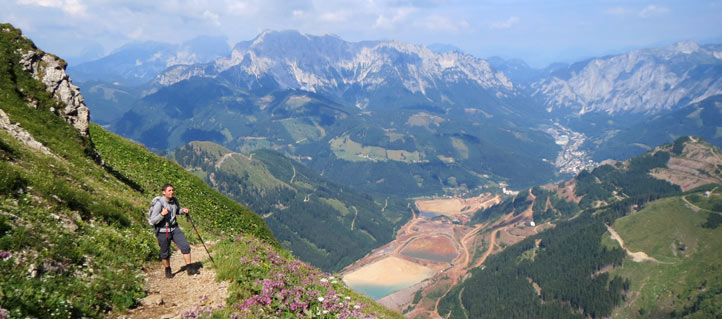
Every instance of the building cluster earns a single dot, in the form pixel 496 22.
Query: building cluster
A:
pixel 572 159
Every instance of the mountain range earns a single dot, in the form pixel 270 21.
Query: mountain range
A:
pixel 637 238
pixel 297 93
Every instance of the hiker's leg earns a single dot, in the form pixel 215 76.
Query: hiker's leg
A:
pixel 164 243
pixel 180 240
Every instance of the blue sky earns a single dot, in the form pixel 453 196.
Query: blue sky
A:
pixel 538 32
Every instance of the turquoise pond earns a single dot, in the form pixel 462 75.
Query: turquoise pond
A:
pixel 379 291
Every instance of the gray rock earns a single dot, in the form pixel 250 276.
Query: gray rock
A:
pixel 50 70
pixel 152 300
pixel 21 134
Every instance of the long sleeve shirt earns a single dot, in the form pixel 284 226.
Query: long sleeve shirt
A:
pixel 174 209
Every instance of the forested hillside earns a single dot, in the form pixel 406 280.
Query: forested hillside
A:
pixel 302 208
pixel 577 270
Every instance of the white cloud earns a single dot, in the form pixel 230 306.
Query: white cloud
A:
pixel 336 16
pixel 214 18
pixel 441 23
pixel 507 24
pixel 399 15
pixel 297 13
pixel 72 7
pixel 137 34
pixel 652 10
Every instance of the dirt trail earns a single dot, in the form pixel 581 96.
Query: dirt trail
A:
pixel 492 245
pixel 639 256
pixel 168 298
pixel 223 159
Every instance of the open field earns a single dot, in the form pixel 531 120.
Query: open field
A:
pixel 458 206
pixel 345 148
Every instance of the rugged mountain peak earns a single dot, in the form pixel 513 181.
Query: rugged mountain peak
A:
pixel 640 81
pixel 328 63
pixel 686 47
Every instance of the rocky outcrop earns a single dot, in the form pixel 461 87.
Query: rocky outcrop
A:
pixel 21 134
pixel 50 70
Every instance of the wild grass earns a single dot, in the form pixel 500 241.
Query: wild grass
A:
pixel 690 258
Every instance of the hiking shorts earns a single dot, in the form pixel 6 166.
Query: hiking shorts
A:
pixel 177 236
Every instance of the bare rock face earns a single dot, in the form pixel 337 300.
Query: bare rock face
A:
pixel 20 134
pixel 50 70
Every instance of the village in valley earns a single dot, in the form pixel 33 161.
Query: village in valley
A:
pixel 572 159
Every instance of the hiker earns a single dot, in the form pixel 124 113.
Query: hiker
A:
pixel 163 216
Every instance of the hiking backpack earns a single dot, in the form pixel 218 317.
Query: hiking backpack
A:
pixel 150 210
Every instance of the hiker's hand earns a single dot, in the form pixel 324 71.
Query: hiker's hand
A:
pixel 164 211
pixel 185 211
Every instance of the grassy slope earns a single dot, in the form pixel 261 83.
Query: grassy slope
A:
pixel 69 246
pixel 73 234
pixel 689 254
pixel 149 171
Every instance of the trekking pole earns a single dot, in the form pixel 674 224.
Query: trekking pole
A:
pixel 188 217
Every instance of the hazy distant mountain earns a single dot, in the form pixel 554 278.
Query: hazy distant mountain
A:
pixel 139 62
pixel 517 70
pixel 640 81
pixel 441 48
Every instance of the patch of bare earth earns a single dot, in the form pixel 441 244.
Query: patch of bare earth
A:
pixel 697 166
pixel 638 256
pixel 457 206
pixel 169 297
pixel 434 244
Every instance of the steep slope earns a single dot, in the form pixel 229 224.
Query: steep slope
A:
pixel 702 119
pixel 73 234
pixel 302 209
pixel 576 269
pixel 641 81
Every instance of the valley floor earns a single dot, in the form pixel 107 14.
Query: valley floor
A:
pixel 473 244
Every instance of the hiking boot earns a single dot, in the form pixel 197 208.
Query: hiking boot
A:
pixel 168 272
pixel 192 271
